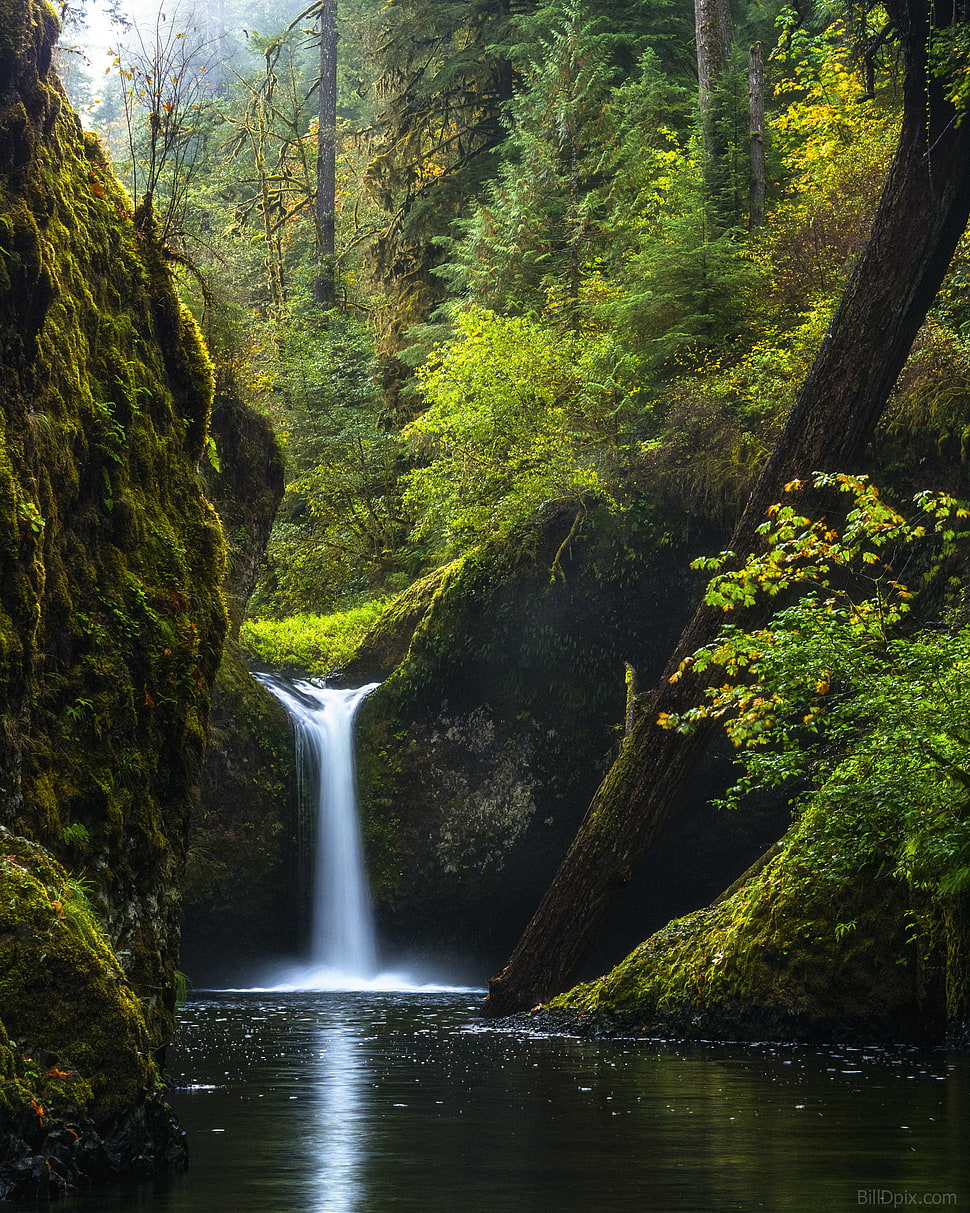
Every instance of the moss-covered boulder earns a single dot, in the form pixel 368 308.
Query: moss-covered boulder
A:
pixel 79 1088
pixel 801 949
pixel 502 705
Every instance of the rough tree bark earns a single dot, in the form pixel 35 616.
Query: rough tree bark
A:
pixel 713 33
pixel 922 213
pixel 756 146
pixel 324 288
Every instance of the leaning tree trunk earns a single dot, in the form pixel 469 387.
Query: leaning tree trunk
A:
pixel 921 215
pixel 713 32
pixel 324 288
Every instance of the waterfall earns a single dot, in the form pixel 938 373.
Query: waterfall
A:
pixel 343 949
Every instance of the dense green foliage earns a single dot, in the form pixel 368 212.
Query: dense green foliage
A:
pixel 340 529
pixel 515 183
pixel 833 698
pixel 517 415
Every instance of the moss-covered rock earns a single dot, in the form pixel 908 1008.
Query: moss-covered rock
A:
pixel 79 1089
pixel 799 950
pixel 502 705
pixel 111 614
pixel 387 642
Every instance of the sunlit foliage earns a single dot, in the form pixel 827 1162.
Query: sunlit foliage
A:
pixel 833 699
pixel 313 644
pixel 517 415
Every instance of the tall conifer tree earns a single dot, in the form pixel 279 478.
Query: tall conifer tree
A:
pixel 441 82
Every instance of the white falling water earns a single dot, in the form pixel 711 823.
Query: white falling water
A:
pixel 343 949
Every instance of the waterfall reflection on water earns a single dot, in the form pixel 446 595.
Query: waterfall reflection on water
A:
pixel 339 1080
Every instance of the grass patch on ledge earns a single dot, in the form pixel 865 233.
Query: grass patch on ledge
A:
pixel 313 644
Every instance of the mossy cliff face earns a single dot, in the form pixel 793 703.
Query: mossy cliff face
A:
pixel 111 559
pixel 503 707
pixel 797 952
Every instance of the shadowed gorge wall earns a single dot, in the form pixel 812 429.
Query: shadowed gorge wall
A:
pixel 241 901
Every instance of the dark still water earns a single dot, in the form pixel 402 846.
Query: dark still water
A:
pixel 393 1103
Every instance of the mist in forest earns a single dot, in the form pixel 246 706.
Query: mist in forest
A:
pixel 100 32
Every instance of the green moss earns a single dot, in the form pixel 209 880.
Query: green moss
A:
pixel 308 644
pixel 795 951
pixel 388 638
pixel 26 34
pixel 80 1032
